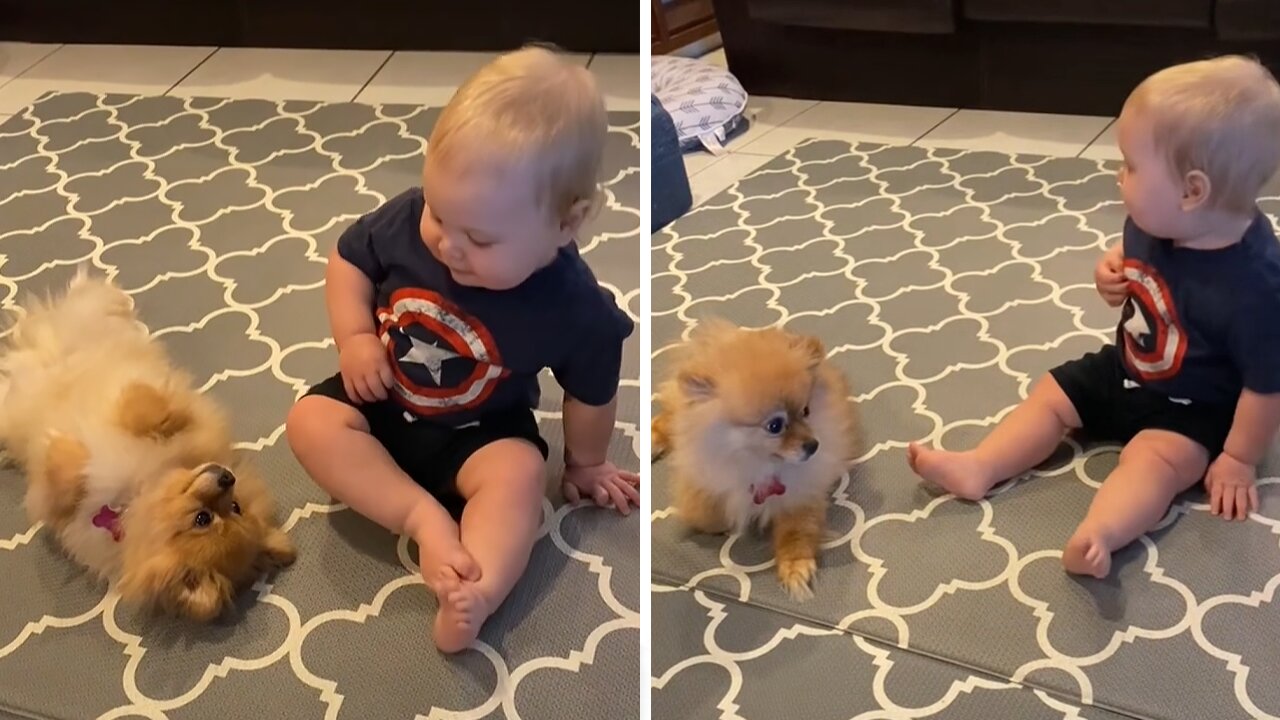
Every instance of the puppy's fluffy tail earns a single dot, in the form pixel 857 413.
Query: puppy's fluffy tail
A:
pixel 89 310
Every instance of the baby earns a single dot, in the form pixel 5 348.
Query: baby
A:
pixel 1192 382
pixel 445 304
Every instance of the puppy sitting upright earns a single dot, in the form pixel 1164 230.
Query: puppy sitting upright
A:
pixel 758 428
pixel 126 463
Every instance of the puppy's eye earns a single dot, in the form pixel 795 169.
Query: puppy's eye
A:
pixel 235 507
pixel 203 518
pixel 806 411
pixel 775 425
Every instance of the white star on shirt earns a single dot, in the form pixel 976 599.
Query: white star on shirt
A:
pixel 430 356
pixel 1136 325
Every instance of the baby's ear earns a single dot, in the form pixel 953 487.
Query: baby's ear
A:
pixel 698 386
pixel 575 217
pixel 1195 190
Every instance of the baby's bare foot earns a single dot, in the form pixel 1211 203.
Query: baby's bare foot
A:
pixel 1086 554
pixel 440 554
pixel 463 610
pixel 959 473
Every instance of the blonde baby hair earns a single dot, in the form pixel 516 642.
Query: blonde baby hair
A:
pixel 1220 116
pixel 535 106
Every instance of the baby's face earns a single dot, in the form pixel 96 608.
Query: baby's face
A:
pixel 483 221
pixel 1152 193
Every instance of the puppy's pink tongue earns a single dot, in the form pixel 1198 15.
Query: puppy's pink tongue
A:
pixel 775 487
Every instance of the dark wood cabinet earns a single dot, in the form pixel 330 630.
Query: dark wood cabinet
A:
pixel 493 25
pixel 677 23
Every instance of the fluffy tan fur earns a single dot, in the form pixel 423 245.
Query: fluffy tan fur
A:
pixel 727 386
pixel 98 416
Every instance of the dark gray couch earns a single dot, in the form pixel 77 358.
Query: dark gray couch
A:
pixel 1069 56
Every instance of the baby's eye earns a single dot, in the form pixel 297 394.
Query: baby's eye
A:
pixel 775 425
pixel 203 518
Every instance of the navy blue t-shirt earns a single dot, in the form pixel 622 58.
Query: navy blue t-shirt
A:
pixel 459 351
pixel 1202 324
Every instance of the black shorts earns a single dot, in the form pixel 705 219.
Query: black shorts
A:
pixel 432 453
pixel 1109 411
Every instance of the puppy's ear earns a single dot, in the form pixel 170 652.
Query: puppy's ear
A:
pixel 277 550
pixel 186 591
pixel 812 348
pixel 201 595
pixel 698 386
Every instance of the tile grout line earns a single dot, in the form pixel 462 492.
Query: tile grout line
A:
pixel 28 69
pixel 365 86
pixel 1101 132
pixel 935 127
pixel 188 73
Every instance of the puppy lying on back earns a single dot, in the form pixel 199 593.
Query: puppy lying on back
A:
pixel 758 429
pixel 126 463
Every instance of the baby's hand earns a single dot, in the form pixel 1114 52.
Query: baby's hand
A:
pixel 366 372
pixel 603 483
pixel 1109 278
pixel 1232 486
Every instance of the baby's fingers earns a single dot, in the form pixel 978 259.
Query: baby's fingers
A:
pixel 630 477
pixel 384 372
pixel 376 388
pixel 571 492
pixel 601 496
pixel 1242 502
pixel 629 491
pixel 618 494
pixel 1215 497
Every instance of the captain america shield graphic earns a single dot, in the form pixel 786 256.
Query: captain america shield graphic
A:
pixel 1154 341
pixel 443 359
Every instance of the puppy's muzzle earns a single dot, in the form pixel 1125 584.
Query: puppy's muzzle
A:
pixel 221 477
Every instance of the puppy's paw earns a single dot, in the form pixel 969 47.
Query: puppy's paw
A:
pixel 146 412
pixel 796 574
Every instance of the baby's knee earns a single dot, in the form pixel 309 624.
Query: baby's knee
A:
pixel 1050 394
pixel 314 418
pixel 1180 457
pixel 515 465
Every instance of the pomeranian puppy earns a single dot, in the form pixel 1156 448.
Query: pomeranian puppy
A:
pixel 758 428
pixel 129 466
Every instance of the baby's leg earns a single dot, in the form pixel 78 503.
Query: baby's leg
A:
pixel 504 483
pixel 1024 439
pixel 332 442
pixel 1154 467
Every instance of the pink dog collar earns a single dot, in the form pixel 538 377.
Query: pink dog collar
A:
pixel 108 518
pixel 764 492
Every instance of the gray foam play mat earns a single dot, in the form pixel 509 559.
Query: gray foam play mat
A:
pixel 216 216
pixel 944 282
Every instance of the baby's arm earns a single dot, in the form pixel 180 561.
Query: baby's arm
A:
pixel 1108 276
pixel 1231 480
pixel 588 473
pixel 362 359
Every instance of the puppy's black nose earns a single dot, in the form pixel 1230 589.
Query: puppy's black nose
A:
pixel 225 478
pixel 810 447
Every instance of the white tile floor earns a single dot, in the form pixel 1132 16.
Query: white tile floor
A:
pixel 780 123
pixel 29 70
